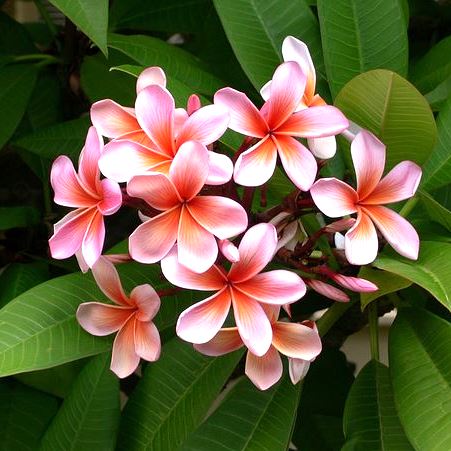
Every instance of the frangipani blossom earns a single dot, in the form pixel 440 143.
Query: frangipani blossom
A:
pixel 131 317
pixel 335 198
pixel 299 342
pixel 82 231
pixel 190 220
pixel 243 288
pixel 275 125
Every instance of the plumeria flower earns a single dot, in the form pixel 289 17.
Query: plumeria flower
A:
pixel 82 231
pixel 243 288
pixel 335 198
pixel 295 50
pixel 299 342
pixel 137 336
pixel 163 130
pixel 275 125
pixel 190 220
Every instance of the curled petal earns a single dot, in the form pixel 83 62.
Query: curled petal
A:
pixel 88 165
pixel 327 290
pixel 264 371
pixel 356 284
pixel 193 104
pixel 361 241
pixel 340 225
pixel 147 340
pixel 111 197
pixel 323 148
pixel 339 240
pixel 229 250
pixel 151 76
pixel 92 244
pixel 220 169
pixel 124 359
pixel 298 369
pixel 225 341
pixel 147 301
pixel 334 197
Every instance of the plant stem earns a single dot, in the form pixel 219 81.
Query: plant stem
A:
pixel 41 57
pixel 409 206
pixel 332 315
pixel 374 330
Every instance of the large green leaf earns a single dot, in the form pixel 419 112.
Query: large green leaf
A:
pixel 438 96
pixel 17 82
pixel 390 107
pixel 39 330
pixel 90 16
pixel 370 420
pixel 173 397
pixel 437 170
pixel 420 369
pixel 249 419
pixel 89 416
pixel 256 29
pixel 432 270
pixel 14 39
pixel 359 36
pixel 437 212
pixel 24 416
pixel 11 217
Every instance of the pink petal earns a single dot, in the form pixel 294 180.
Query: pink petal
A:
pixel 66 184
pixel 244 116
pixel 399 184
pixel 334 197
pixel 340 225
pixel 297 369
pixel 88 167
pixel 323 148
pixel 147 340
pixel 256 249
pixel 225 341
pixel 151 241
pixel 151 76
pixel 197 247
pixel 189 169
pixel 229 250
pixel 155 113
pixel 356 284
pixel 156 189
pixel 274 287
pixel 220 169
pixel 287 89
pixel 81 262
pixel 296 340
pixel 298 162
pixel 221 216
pixel 264 371
pixel 113 120
pixel 368 156
pixel 92 244
pixel 202 321
pixel 111 197
pixel 180 117
pixel 205 125
pixel 181 276
pixel 396 230
pixel 315 122
pixel 256 166
pixel 193 104
pixel 124 359
pixel 327 290
pixel 361 241
pixel 253 324
pixel 147 301
pixel 102 319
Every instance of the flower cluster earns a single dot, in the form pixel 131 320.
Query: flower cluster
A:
pixel 166 162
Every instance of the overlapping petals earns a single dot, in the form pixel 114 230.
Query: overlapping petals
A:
pixel 131 317
pixel 335 198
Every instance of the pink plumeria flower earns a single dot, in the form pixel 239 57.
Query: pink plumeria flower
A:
pixel 243 288
pixel 165 130
pixel 335 198
pixel 137 336
pixel 299 342
pixel 82 231
pixel 190 220
pixel 295 50
pixel 275 125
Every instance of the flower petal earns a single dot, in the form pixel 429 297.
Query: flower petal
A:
pixel 323 148
pixel 264 371
pixel 221 216
pixel 256 250
pixel 147 340
pixel 356 284
pixel 402 237
pixel 334 197
pixel 225 341
pixel 88 164
pixel 297 369
pixel 327 290
pixel 147 301
pixel 92 244
pixel 244 116
pixel 124 359
pixel 151 241
pixel 193 104
pixel 151 76
pixel 229 250
pixel 111 197
pixel 102 319
pixel 220 169
pixel 298 162
pixel 202 321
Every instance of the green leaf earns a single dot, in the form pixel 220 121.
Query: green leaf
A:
pixel 358 37
pixel 14 39
pixel 436 211
pixel 387 283
pixel 24 416
pixel 12 217
pixel 438 96
pixel 390 107
pixel 437 170
pixel 433 68
pixel 432 270
pixel 256 29
pixel 91 17
pixel 17 84
pixel 39 330
pixel 173 397
pixel 249 419
pixel 420 370
pixel 89 417
pixel 370 420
